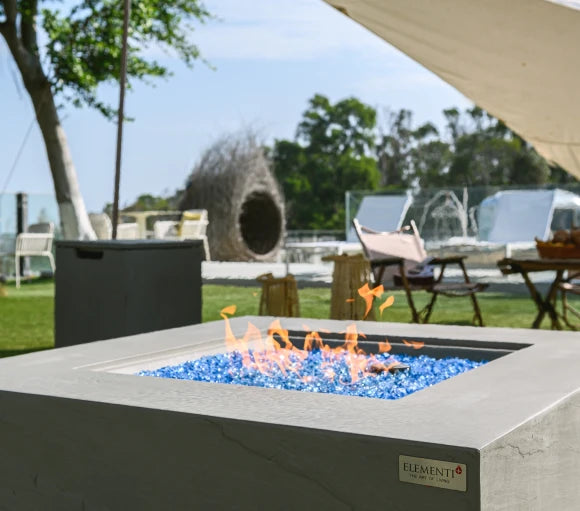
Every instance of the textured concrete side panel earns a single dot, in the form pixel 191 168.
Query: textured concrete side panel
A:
pixel 68 454
pixel 537 466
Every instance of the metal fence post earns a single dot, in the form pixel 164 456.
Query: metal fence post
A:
pixel 346 214
pixel 22 226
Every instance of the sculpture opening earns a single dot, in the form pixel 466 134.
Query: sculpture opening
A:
pixel 260 223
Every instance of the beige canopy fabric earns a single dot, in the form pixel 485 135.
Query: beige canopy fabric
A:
pixel 517 59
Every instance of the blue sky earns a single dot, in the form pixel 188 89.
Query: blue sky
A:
pixel 270 57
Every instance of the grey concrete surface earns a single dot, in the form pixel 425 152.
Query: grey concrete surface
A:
pixel 81 432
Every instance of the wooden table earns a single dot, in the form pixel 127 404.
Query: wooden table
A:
pixel 545 304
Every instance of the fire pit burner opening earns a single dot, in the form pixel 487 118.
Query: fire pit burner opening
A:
pixel 316 371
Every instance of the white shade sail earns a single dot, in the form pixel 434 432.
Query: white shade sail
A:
pixel 517 59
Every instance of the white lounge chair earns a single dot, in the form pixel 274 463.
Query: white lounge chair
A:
pixel 165 229
pixel 128 231
pixel 196 230
pixel 36 242
pixel 384 213
pixel 192 226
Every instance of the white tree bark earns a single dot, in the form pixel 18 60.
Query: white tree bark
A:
pixel 22 44
pixel 73 214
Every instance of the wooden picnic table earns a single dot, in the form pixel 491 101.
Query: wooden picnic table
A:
pixel 545 304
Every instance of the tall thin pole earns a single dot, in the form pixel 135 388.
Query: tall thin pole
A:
pixel 122 80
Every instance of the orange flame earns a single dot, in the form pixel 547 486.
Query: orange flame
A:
pixel 385 347
pixel 368 295
pixel 387 303
pixel 313 341
pixel 230 309
pixel 416 345
pixel 276 351
pixel 231 341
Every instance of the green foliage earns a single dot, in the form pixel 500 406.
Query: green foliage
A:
pixel 478 150
pixel 332 153
pixel 148 202
pixel 83 46
pixel 558 175
pixel 410 156
pixel 339 147
pixel 347 126
pixel 487 152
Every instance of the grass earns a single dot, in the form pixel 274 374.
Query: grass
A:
pixel 26 314
pixel 498 309
pixel 27 318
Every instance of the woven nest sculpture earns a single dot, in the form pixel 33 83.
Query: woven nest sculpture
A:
pixel 233 181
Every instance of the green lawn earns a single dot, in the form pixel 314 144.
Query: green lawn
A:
pixel 26 314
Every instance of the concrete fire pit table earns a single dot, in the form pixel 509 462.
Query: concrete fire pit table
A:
pixel 79 430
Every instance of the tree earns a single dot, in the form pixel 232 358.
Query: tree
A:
pixel 430 160
pixel 393 149
pixel 332 153
pixel 82 52
pixel 148 202
pixel 487 152
pixel 410 156
pixel 558 175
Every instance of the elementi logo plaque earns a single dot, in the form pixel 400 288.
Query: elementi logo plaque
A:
pixel 441 474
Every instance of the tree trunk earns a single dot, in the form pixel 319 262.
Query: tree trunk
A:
pixel 73 214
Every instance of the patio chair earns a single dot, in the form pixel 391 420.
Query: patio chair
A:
pixel 401 255
pixel 128 231
pixel 36 242
pixel 192 226
pixel 195 230
pixel 194 214
pixel 165 229
pixel 102 225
